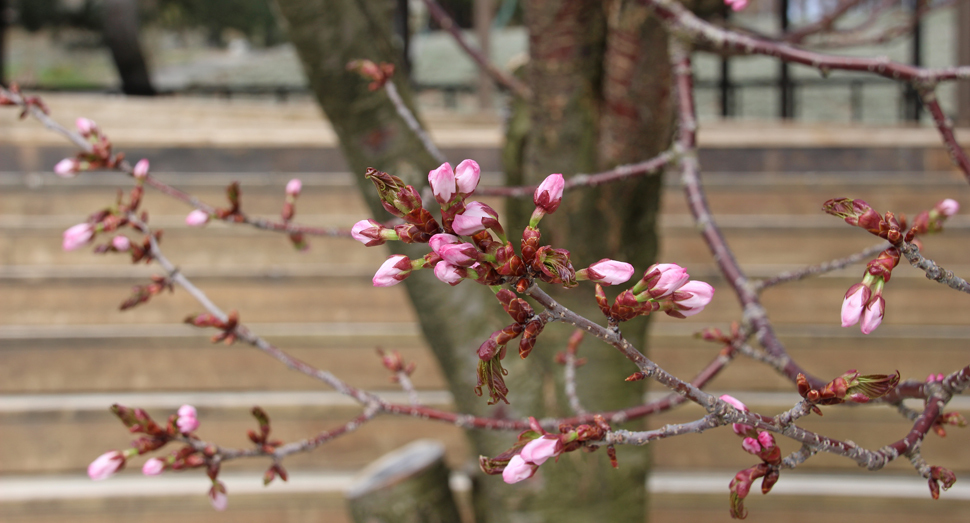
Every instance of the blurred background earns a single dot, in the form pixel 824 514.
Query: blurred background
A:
pixel 210 91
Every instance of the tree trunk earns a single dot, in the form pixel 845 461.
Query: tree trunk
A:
pixel 120 30
pixel 586 63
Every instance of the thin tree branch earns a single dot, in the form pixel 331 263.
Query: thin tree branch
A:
pixel 500 77
pixel 822 268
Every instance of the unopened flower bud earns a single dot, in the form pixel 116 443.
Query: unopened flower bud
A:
pixel 467 176
pixel 121 243
pixel 197 218
pixel 187 419
pixel 77 236
pixel 661 280
pixel 518 470
pixel 140 170
pixel 153 467
pixel 394 270
pixel 460 254
pixel 293 187
pixel 448 273
pixel 371 233
pixel 751 445
pixel 86 127
pixel 947 207
pixel 606 271
pixel 67 168
pixel 697 295
pixel 539 450
pixel 548 194
pixel 854 302
pixel 477 217
pixel 217 496
pixel 736 5
pixel 442 181
pixel 872 314
pixel 106 465
pixel 739 428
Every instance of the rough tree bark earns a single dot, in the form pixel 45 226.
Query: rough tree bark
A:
pixel 602 74
pixel 120 30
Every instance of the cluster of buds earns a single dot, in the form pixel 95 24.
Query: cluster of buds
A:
pixel 378 74
pixel 228 327
pixel 864 300
pixel 489 258
pixel 26 101
pixel 940 475
pixel 932 221
pixel 154 437
pixel 492 351
pixel 534 447
pixel 99 157
pixel 664 287
pixel 850 387
pixel 758 443
pixel 199 217
pixel 109 220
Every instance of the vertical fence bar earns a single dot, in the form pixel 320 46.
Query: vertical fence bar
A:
pixel 725 81
pixel 784 80
pixel 962 20
pixel 855 100
pixel 914 108
pixel 3 41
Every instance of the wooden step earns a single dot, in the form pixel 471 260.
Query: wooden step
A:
pixel 119 358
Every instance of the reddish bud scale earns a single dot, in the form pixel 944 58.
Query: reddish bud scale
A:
pixel 553 266
pixel 636 376
pixel 529 336
pixel 491 375
pixel 611 452
pixel 530 244
pixel 884 264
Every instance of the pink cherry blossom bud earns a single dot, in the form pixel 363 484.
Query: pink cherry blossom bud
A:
pixel 751 445
pixel 607 271
pixel 467 176
pixel 67 168
pixel 662 279
pixel 153 467
pixel 738 428
pixel 77 236
pixel 947 207
pixel 472 220
pixel 293 187
pixel 940 377
pixel 442 181
pixel 518 470
pixel 188 411
pixel 855 300
pixel 700 295
pixel 106 465
pixel 217 497
pixel 872 314
pixel 736 5
pixel 766 440
pixel 394 270
pixel 449 273
pixel 368 232
pixel 197 218
pixel 86 127
pixel 548 194
pixel 187 424
pixel 141 169
pixel 121 243
pixel 460 254
pixel 439 240
pixel 539 450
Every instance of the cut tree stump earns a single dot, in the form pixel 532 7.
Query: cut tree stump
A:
pixel 408 485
